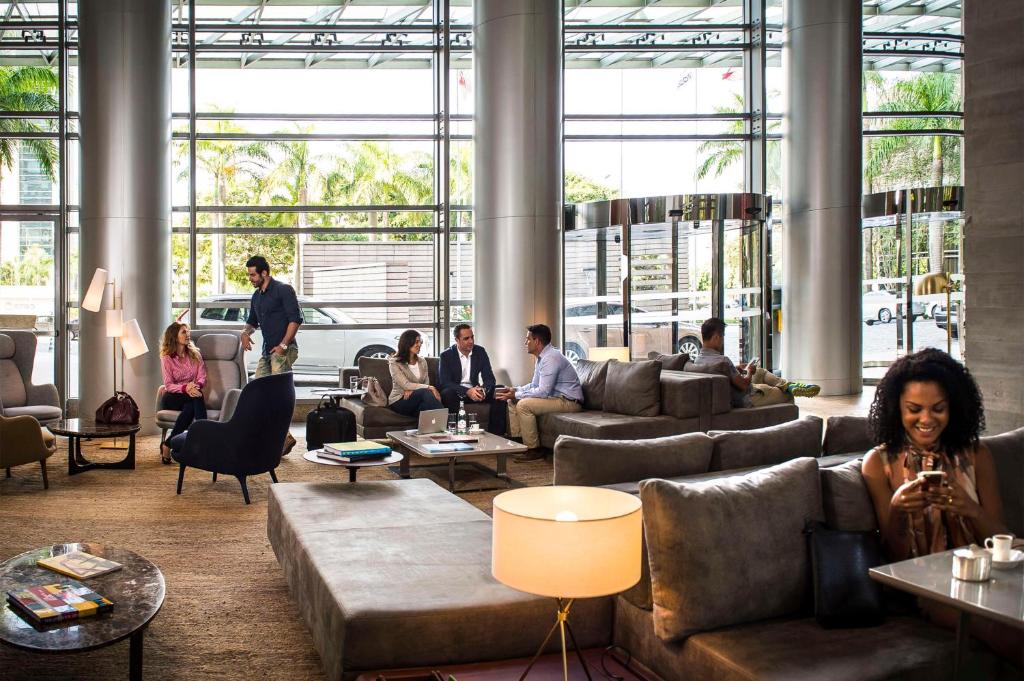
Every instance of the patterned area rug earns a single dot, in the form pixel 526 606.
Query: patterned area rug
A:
pixel 227 613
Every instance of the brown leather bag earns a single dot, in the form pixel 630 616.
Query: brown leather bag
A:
pixel 119 409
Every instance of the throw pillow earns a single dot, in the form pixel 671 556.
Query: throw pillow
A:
pixel 729 551
pixel 592 378
pixel 847 435
pixel 845 499
pixel 633 388
pixel 675 362
pixel 766 446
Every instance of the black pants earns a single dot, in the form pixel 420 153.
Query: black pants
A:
pixel 191 408
pixel 497 418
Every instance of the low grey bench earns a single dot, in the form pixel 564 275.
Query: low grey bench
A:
pixel 394 574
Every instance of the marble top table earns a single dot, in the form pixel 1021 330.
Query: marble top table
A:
pixel 1001 597
pixel 137 591
pixel 77 429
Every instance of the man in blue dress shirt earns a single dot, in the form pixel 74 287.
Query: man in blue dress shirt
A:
pixel 555 388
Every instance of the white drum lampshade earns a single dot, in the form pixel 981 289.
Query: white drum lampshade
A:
pixel 601 354
pixel 132 341
pixel 93 299
pixel 566 541
pixel 115 323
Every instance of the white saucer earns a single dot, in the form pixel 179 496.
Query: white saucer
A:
pixel 1016 558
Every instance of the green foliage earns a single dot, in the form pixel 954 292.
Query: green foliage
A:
pixel 33 268
pixel 579 189
pixel 28 88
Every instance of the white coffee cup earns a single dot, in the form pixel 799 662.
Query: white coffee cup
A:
pixel 1000 545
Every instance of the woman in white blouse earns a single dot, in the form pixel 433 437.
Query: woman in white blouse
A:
pixel 411 391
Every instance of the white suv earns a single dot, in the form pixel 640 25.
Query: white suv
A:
pixel 321 351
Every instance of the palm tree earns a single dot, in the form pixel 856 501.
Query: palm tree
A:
pixel 721 154
pixel 228 163
pixel 900 156
pixel 27 88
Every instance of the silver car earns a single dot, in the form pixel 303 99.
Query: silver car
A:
pixel 321 351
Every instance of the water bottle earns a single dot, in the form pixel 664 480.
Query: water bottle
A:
pixel 462 418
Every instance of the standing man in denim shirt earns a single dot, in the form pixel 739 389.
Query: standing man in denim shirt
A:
pixel 274 309
pixel 555 388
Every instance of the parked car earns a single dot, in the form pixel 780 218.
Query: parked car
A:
pixel 941 319
pixel 321 351
pixel 881 306
pixel 581 324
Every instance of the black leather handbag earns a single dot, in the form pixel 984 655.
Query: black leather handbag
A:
pixel 845 596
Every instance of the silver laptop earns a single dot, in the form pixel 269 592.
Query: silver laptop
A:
pixel 432 421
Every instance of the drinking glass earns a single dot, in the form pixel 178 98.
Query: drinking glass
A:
pixel 453 423
pixel 471 424
pixel 353 383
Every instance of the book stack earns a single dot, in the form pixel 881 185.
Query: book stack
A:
pixel 50 603
pixel 353 452
pixel 78 564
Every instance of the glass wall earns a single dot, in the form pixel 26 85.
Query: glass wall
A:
pixel 33 232
pixel 336 142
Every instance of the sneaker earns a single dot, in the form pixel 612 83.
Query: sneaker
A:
pixel 529 455
pixel 289 442
pixel 803 389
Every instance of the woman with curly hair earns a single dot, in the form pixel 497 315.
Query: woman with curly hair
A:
pixel 184 374
pixel 927 416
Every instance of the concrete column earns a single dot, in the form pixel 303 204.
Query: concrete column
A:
pixel 517 184
pixel 125 103
pixel 993 153
pixel 821 300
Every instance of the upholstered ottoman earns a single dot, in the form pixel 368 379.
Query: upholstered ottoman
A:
pixel 397 574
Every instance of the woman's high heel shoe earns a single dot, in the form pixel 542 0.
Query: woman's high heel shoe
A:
pixel 165 454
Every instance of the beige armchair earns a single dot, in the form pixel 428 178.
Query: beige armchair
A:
pixel 23 440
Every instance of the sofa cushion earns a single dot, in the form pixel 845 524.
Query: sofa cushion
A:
pixel 681 396
pixel 1008 455
pixel 633 388
pixel 766 446
pixel 603 425
pixel 12 388
pixel 675 362
pixel 747 418
pixel 730 551
pixel 906 648
pixel 721 387
pixel 591 461
pixel 845 499
pixel 40 412
pixel 592 378
pixel 7 346
pixel 847 435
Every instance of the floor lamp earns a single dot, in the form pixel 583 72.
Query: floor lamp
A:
pixel 566 542
pixel 939 282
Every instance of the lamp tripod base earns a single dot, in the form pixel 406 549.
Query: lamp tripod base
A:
pixel 561 624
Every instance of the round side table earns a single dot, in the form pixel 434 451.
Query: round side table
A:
pixel 137 591
pixel 353 467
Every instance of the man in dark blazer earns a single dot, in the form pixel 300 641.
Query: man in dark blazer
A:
pixel 465 374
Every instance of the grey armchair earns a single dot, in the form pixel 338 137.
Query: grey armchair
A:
pixel 225 377
pixel 23 440
pixel 18 395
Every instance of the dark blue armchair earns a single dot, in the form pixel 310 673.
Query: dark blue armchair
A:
pixel 250 443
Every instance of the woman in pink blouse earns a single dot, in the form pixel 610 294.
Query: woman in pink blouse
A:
pixel 184 377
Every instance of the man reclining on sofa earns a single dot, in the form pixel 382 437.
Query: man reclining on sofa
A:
pixel 752 386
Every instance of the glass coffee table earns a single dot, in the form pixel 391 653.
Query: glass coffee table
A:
pixel 137 591
pixel 487 444
pixel 75 430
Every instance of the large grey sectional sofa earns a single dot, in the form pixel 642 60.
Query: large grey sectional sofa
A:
pixel 397 574
pixel 622 400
